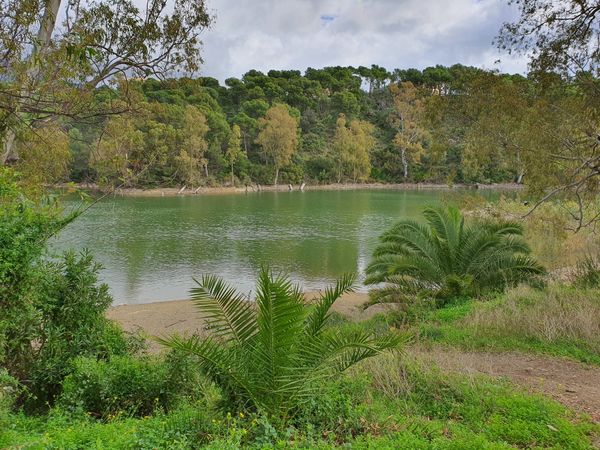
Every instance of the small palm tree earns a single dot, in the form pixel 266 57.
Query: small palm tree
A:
pixel 446 258
pixel 270 354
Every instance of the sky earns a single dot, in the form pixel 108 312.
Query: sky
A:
pixel 296 34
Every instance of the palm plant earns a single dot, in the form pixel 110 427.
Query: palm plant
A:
pixel 446 258
pixel 269 355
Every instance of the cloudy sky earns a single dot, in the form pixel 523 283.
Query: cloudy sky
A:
pixel 296 34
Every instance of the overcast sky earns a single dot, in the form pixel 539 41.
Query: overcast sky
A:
pixel 296 34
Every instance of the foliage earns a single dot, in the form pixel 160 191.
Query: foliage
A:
pixel 70 304
pixel 278 136
pixel 447 258
pixel 270 357
pixel 388 403
pixel 51 311
pixel 128 386
pixel 24 228
pixel 53 72
pixel 560 36
pixel 234 151
pixel 587 272
pixel 407 120
pixel 352 144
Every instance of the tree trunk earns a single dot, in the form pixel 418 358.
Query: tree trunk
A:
pixel 44 37
pixel 276 175
pixel 232 179
pixel 404 163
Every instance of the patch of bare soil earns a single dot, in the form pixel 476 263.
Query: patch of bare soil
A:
pixel 573 384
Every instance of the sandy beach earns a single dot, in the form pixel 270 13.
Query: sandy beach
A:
pixel 180 316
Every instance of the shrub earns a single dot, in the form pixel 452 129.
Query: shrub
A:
pixel 128 386
pixel 50 311
pixel 9 389
pixel 447 258
pixel 71 305
pixel 268 357
pixel 587 273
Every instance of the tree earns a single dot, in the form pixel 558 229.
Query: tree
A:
pixel 448 258
pixel 50 70
pixel 501 128
pixel 120 142
pixel 192 155
pixel 558 35
pixel 563 37
pixel 272 355
pixel 234 149
pixel 278 136
pixel 45 154
pixel 406 117
pixel 352 144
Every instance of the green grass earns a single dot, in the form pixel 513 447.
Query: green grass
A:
pixel 391 402
pixel 477 325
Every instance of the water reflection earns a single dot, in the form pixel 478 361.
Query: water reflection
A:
pixel 152 247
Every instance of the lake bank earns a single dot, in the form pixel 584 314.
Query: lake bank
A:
pixel 181 316
pixel 223 190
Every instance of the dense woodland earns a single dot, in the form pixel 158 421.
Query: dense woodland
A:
pixel 450 125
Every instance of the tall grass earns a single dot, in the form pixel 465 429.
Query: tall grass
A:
pixel 555 315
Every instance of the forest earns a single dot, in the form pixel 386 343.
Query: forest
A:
pixel 443 125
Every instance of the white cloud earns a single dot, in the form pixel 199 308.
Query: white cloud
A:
pixel 296 34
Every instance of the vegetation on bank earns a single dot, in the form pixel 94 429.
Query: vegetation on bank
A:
pixel 279 374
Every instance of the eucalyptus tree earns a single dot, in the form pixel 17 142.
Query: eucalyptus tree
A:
pixel 50 69
pixel 562 37
pixel 278 136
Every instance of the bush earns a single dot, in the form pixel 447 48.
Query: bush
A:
pixel 268 357
pixel 50 311
pixel 128 386
pixel 9 389
pixel 448 258
pixel 587 273
pixel 71 305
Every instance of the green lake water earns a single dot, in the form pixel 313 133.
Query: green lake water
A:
pixel 152 247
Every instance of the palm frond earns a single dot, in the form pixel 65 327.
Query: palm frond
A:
pixel 320 312
pixel 228 315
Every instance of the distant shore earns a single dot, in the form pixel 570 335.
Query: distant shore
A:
pixel 255 188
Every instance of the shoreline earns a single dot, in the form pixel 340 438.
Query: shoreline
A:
pixel 224 190
pixel 182 317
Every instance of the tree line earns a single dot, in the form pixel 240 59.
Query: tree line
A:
pixel 453 124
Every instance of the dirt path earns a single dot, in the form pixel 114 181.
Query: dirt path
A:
pixel 573 384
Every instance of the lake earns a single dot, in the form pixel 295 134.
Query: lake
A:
pixel 152 247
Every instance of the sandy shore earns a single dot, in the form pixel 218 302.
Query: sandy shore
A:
pixel 180 316
pixel 170 192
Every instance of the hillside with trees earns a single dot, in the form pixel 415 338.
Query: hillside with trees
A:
pixel 450 125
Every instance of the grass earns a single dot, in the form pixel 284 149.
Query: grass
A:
pixel 393 401
pixel 558 320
